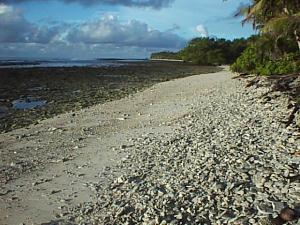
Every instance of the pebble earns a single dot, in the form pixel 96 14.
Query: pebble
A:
pixel 227 162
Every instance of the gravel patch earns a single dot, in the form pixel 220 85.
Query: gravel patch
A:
pixel 231 160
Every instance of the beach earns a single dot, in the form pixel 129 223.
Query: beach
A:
pixel 33 92
pixel 203 149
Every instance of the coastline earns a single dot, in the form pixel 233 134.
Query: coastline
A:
pixel 64 89
pixel 179 132
pixel 167 60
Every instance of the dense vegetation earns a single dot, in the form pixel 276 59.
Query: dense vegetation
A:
pixel 277 49
pixel 261 58
pixel 166 55
pixel 207 51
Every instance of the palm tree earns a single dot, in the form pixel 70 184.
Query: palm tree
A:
pixel 276 17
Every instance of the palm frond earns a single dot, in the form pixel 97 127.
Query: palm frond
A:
pixel 283 24
pixel 255 9
pixel 242 10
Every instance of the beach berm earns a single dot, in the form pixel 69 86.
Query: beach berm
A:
pixel 198 150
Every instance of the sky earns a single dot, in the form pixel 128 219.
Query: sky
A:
pixel 87 29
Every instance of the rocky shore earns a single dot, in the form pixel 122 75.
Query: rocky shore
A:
pixel 29 95
pixel 198 150
pixel 229 161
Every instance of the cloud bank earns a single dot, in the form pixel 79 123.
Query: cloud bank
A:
pixel 156 4
pixel 103 34
pixel 18 30
pixel 109 30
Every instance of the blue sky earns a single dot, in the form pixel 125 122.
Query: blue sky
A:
pixel 112 28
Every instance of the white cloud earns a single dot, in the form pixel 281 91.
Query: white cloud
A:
pixel 13 26
pixel 109 30
pixel 66 50
pixel 5 8
pixel 202 30
pixel 100 37
pixel 106 30
pixel 16 29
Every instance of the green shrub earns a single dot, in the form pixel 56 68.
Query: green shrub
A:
pixel 247 62
pixel 286 65
pixel 268 55
pixel 213 51
pixel 166 55
pixel 253 62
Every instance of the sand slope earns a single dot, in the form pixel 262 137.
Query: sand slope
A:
pixel 36 195
pixel 75 150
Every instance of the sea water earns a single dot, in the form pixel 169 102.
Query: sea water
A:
pixel 66 63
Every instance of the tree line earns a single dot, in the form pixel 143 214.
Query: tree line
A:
pixel 275 50
pixel 207 51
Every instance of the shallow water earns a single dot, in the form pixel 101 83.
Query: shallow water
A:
pixel 28 103
pixel 66 63
pixel 3 111
pixel 54 91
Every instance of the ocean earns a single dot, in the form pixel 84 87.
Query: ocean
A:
pixel 29 63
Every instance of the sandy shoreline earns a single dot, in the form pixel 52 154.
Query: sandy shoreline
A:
pixel 103 123
pixel 82 148
pixel 49 91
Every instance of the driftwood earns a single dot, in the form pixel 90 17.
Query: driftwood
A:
pixel 252 82
pixel 242 75
pixel 282 83
pixel 292 115
pixel 292 75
